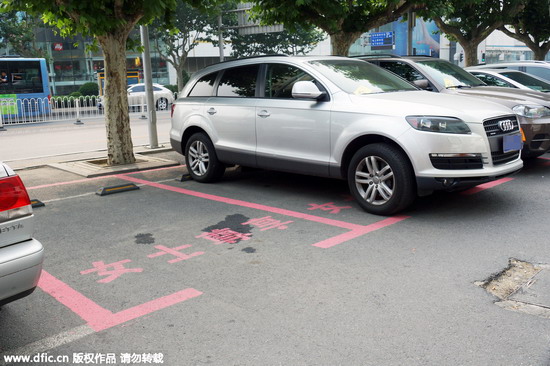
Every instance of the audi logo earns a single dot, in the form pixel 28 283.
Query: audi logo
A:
pixel 506 125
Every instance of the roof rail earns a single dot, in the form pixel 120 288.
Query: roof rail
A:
pixel 373 55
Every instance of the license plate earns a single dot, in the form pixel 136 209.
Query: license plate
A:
pixel 512 143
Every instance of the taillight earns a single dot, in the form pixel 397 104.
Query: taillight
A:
pixel 14 200
pixel 173 108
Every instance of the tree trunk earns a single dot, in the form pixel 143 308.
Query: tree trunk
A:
pixel 119 137
pixel 539 53
pixel 180 67
pixel 341 42
pixel 470 53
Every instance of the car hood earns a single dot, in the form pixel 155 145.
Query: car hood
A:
pixel 408 103
pixel 507 96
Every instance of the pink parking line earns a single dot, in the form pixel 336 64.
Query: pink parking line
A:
pixel 99 318
pixel 339 239
pixel 485 186
pixel 356 230
pixel 102 177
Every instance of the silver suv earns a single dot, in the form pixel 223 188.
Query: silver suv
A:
pixel 343 118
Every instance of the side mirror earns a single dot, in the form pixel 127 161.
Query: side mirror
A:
pixel 422 84
pixel 306 90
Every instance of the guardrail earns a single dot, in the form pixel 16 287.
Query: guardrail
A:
pixel 36 110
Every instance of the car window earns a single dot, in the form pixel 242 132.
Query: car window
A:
pixel 360 77
pixel 402 69
pixel 239 82
pixel 541 72
pixel 528 80
pixel 493 80
pixel 447 74
pixel 281 78
pixel 137 89
pixel 204 87
pixel 156 88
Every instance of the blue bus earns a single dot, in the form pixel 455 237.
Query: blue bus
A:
pixel 24 89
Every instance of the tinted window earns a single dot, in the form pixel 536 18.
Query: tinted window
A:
pixel 541 72
pixel 404 70
pixel 20 77
pixel 493 80
pixel 156 88
pixel 360 77
pixel 137 89
pixel 239 82
pixel 205 86
pixel 447 74
pixel 528 80
pixel 281 78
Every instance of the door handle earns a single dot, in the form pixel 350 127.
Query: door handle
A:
pixel 211 111
pixel 263 114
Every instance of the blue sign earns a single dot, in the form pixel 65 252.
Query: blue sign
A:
pixel 382 40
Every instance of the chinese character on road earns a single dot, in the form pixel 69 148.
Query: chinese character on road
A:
pixel 330 206
pixel 117 270
pixel 226 235
pixel 267 223
pixel 175 252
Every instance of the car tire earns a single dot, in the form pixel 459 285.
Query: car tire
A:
pixel 162 104
pixel 201 159
pixel 381 179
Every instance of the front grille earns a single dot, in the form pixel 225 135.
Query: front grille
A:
pixel 492 126
pixel 454 163
pixel 500 158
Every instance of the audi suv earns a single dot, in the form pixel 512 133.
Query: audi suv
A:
pixel 342 118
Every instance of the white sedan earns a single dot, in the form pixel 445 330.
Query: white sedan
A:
pixel 21 255
pixel 510 79
pixel 163 97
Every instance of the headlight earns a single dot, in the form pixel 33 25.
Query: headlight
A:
pixel 531 111
pixel 438 124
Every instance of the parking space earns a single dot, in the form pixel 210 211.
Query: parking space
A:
pixel 272 268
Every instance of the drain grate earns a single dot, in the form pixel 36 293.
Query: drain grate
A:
pixel 522 286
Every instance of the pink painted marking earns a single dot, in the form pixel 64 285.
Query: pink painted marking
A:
pixel 175 252
pixel 356 230
pixel 230 201
pixel 485 186
pixel 267 222
pixel 339 239
pixel 99 318
pixel 117 270
pixel 102 177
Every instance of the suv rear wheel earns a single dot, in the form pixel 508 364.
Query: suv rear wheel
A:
pixel 201 159
pixel 381 179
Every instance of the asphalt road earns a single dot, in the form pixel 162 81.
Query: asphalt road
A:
pixel 267 268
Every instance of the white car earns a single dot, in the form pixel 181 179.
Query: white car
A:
pixel 163 97
pixel 539 69
pixel 510 79
pixel 21 255
pixel 342 118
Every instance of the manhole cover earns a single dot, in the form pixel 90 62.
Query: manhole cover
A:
pixel 522 286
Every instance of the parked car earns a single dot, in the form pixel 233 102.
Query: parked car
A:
pixel 434 74
pixel 510 79
pixel 21 255
pixel 343 118
pixel 163 97
pixel 540 69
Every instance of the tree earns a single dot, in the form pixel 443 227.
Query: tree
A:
pixel 469 22
pixel 343 20
pixel 532 27
pixel 298 42
pixel 110 22
pixel 189 27
pixel 17 31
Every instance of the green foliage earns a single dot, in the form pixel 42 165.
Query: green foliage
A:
pixel 75 94
pixel 297 42
pixel 343 20
pixel 17 30
pixel 532 26
pixel 90 88
pixel 172 88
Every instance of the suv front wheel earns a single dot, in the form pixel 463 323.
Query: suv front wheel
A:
pixel 381 179
pixel 201 159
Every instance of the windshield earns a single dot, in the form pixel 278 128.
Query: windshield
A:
pixel 449 75
pixel 528 80
pixel 360 78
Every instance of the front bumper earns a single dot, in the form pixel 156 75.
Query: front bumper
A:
pixel 537 138
pixel 20 268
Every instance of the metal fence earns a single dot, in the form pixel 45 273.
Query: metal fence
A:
pixel 36 110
